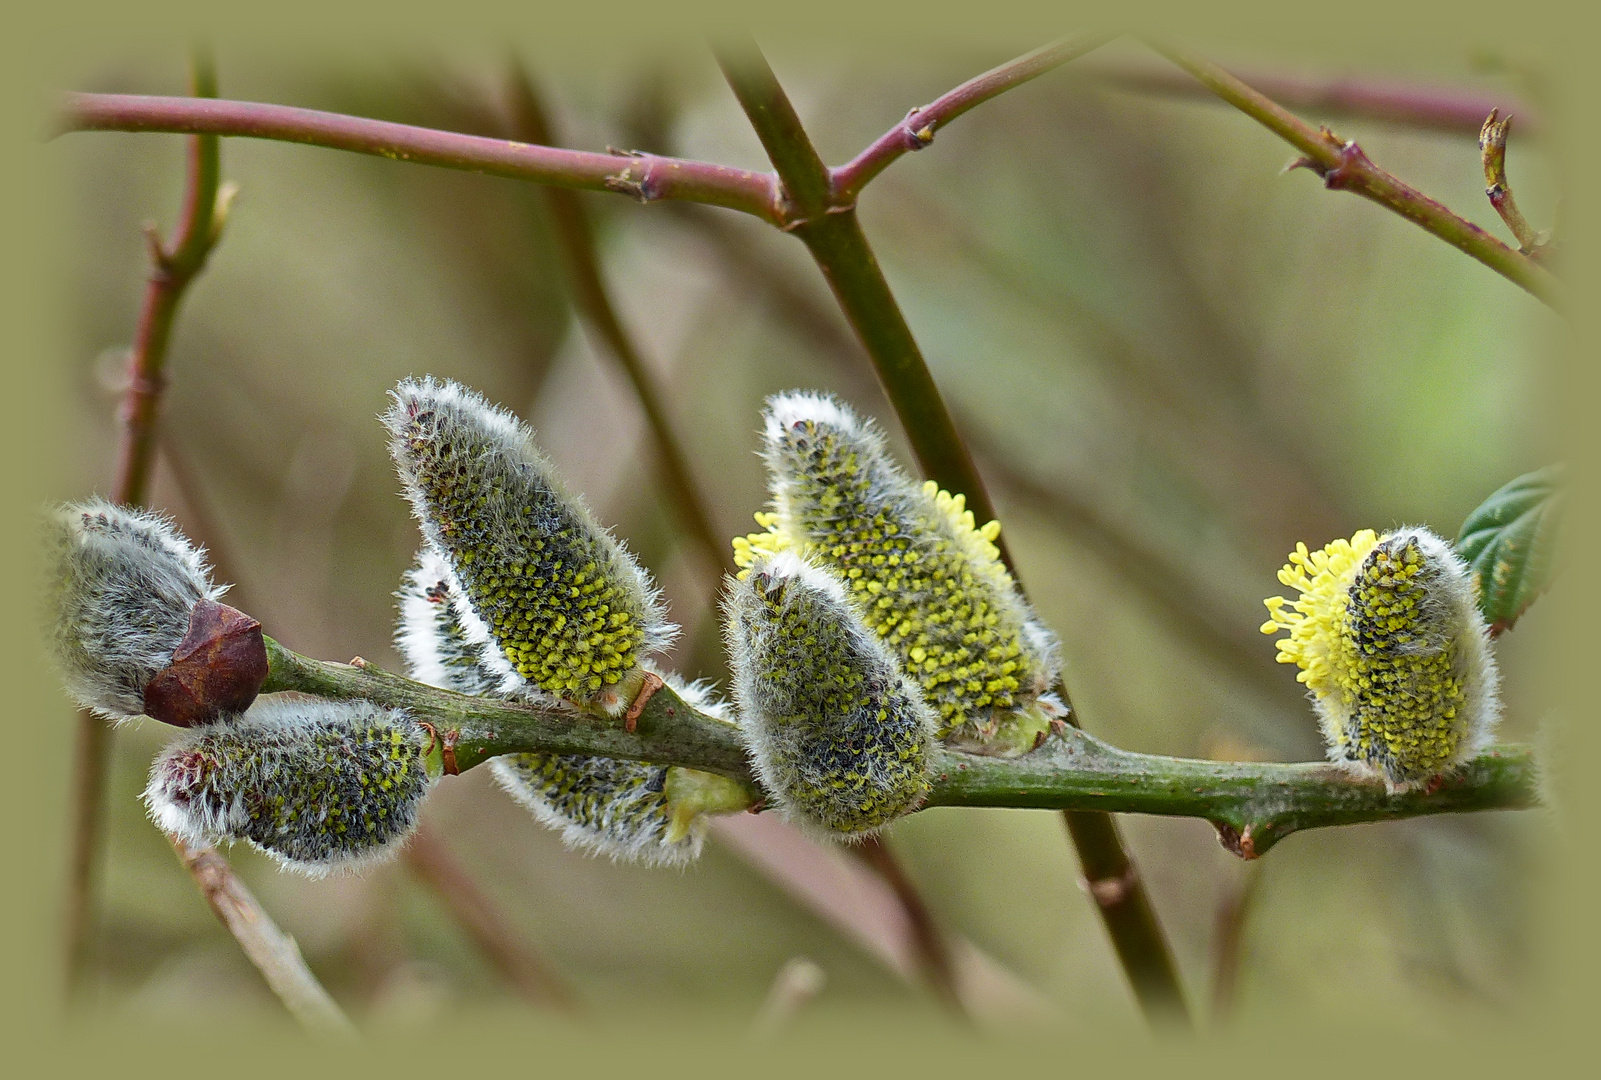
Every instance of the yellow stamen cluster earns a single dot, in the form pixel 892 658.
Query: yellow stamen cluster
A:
pixel 1392 650
pixel 924 576
pixel 568 609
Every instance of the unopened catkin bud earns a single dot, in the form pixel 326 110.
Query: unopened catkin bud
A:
pixel 924 576
pixel 566 609
pixel 318 785
pixel 123 588
pixel 629 810
pixel 837 734
pixel 1393 651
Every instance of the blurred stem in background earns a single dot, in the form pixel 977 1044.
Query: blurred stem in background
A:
pixel 833 235
pixel 528 122
pixel 274 953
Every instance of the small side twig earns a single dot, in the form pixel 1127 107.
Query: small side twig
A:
pixel 429 857
pixel 1345 167
pixel 1492 148
pixel 274 952
pixel 592 300
pixel 917 129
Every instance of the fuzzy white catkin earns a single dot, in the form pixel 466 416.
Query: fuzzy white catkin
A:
pixel 559 605
pixel 320 786
pixel 122 589
pixel 837 733
pixel 599 805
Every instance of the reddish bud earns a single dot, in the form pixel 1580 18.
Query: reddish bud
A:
pixel 217 668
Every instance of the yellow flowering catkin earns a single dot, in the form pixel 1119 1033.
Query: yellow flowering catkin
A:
pixel 624 809
pixel 565 609
pixel 1393 651
pixel 924 577
pixel 838 735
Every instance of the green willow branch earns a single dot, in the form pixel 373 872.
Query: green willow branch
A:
pixel 1344 167
pixel 1253 804
pixel 837 244
pixel 590 297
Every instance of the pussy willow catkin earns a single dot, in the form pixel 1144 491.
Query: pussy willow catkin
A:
pixel 563 608
pixel 838 734
pixel 123 586
pixel 1393 651
pixel 623 809
pixel 926 579
pixel 318 785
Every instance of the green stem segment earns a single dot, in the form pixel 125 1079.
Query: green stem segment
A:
pixel 1253 804
pixel 827 224
pixel 1344 166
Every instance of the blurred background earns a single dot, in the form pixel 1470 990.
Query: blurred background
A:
pixel 1172 363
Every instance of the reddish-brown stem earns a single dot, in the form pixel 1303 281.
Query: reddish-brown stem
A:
pixel 272 951
pixel 592 300
pixel 645 177
pixel 917 130
pixel 171 271
pixel 431 860
pixel 1403 104
pixel 1343 166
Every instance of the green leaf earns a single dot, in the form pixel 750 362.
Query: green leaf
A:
pixel 1508 541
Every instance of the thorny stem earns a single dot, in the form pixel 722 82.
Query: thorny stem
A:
pixel 593 302
pixel 835 239
pixel 644 177
pixel 1343 166
pixel 273 952
pixel 1253 804
pixel 1409 105
pixel 1492 149
pixel 917 130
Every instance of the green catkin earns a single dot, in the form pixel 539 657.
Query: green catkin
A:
pixel 837 734
pixel 926 580
pixel 567 610
pixel 623 809
pixel 1394 652
pixel 123 586
pixel 319 786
